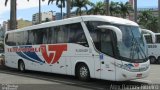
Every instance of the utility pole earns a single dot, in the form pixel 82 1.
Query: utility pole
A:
pixel 107 7
pixel 68 8
pixel 158 16
pixel 39 11
pixel 135 10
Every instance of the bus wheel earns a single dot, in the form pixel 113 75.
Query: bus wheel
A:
pixel 158 61
pixel 152 60
pixel 21 66
pixel 83 72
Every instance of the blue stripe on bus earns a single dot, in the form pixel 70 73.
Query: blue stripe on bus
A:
pixel 23 56
pixel 33 55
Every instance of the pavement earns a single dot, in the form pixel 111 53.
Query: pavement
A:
pixel 32 80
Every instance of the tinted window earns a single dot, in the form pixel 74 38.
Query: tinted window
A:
pixel 157 38
pixel 148 38
pixel 31 37
pixel 102 38
pixel 70 33
pixel 10 39
pixel 19 38
pixel 77 35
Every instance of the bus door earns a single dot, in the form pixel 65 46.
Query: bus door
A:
pixel 106 59
pixel 104 62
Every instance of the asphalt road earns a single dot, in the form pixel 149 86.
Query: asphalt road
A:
pixel 11 79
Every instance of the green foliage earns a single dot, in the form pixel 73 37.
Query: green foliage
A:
pixel 97 8
pixel 125 9
pixel 80 4
pixel 147 20
pixel 114 8
pixel 120 9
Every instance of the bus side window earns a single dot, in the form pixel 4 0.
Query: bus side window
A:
pixel 77 35
pixel 31 39
pixel 62 34
pixel 148 38
pixel 26 38
pixel 157 38
pixel 19 38
pixel 52 35
pixel 10 39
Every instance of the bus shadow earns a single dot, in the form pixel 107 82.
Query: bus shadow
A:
pixel 94 84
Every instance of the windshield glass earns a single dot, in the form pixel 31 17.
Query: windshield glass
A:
pixel 132 45
pixel 132 48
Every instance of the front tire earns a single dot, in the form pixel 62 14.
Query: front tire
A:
pixel 158 61
pixel 21 66
pixel 152 60
pixel 83 72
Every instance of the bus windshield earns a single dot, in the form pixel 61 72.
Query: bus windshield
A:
pixel 132 47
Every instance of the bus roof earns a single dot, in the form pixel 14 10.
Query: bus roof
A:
pixel 110 19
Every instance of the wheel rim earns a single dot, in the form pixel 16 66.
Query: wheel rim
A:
pixel 83 72
pixel 22 66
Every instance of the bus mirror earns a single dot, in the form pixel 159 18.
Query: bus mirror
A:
pixel 113 28
pixel 151 33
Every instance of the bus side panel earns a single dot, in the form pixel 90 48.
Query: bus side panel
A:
pixel 79 54
pixel 153 50
pixel 11 59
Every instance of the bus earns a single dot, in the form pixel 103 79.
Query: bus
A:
pixel 91 46
pixel 153 47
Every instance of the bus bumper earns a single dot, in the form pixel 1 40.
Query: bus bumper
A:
pixel 124 75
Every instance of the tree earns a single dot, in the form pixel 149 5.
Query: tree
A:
pixel 60 4
pixel 80 4
pixel 13 11
pixel 114 8
pixel 125 9
pixel 148 21
pixel 97 8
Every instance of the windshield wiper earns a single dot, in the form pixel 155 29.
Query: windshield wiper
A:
pixel 137 46
pixel 134 49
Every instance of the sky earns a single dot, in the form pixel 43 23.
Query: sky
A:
pixel 26 9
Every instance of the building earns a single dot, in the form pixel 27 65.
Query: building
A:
pixel 153 10
pixel 45 16
pixel 23 23
pixel 20 24
pixel 5 25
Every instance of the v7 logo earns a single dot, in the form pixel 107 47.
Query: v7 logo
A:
pixel 54 56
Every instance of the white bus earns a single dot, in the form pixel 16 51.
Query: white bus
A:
pixel 101 47
pixel 153 47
